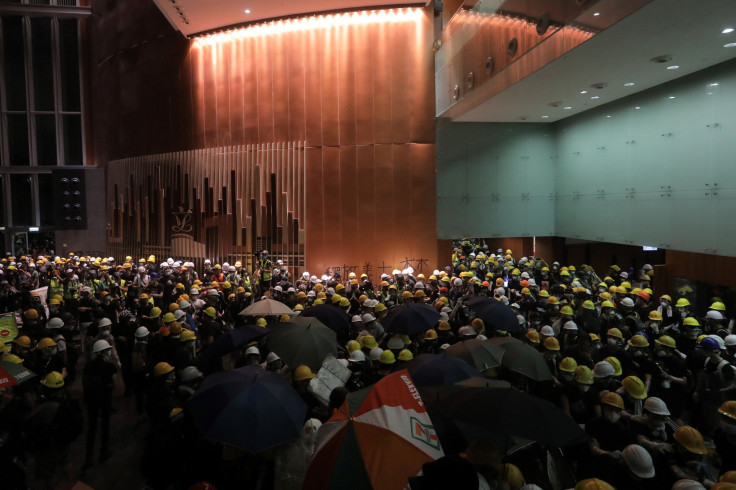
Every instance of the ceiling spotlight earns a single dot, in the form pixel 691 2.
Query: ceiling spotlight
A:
pixel 545 117
pixel 567 108
pixel 714 84
pixel 673 67
pixel 596 14
pixel 672 96
pixel 595 97
pixel 247 11
pixel 727 30
pixel 608 116
pixel 629 84
pixel 729 45
pixel 583 91
pixel 637 108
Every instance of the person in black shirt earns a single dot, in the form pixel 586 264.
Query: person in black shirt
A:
pixel 98 385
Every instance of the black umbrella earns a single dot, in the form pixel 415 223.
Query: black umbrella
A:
pixel 494 313
pixel 296 343
pixel 523 358
pixel 411 319
pixel 248 408
pixel 437 370
pixel 479 353
pixel 235 338
pixel 481 413
pixel 333 317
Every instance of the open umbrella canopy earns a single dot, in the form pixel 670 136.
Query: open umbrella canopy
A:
pixel 437 370
pixel 380 436
pixel 490 413
pixel 479 353
pixel 494 313
pixel 334 318
pixel 297 343
pixel 411 319
pixel 234 339
pixel 12 374
pixel 523 359
pixel 249 408
pixel 267 307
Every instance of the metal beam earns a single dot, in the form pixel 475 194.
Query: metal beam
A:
pixel 44 10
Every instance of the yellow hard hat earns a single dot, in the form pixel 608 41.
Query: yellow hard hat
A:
pixel 210 312
pixel 45 342
pixel 691 439
pixel 552 300
pixel 566 310
pixel 444 325
pixel 303 372
pixel 23 341
pixel 593 484
pixel 261 322
pixel 728 409
pixel 615 332
pixel 544 293
pixel 162 368
pixel 430 334
pixel 588 305
pixel 405 355
pixel 187 335
pixel 552 343
pixel 583 375
pixel 717 305
pixel 728 477
pixel 369 342
pixel 681 303
pixel 614 399
pixel 513 475
pixel 691 322
pixel 168 317
pixel 53 380
pixel 594 337
pixel 353 345
pixel 568 365
pixel 31 314
pixel 656 316
pixel 638 341
pixel 156 312
pixel 613 361
pixel 533 336
pixel 634 387
pixel 13 358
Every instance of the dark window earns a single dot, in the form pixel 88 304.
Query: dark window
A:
pixel 15 75
pixel 45 139
pixel 43 70
pixel 2 202
pixel 69 64
pixel 21 197
pixel 72 140
pixel 18 139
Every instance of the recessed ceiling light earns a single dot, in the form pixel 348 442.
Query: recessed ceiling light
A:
pixel 729 45
pixel 629 84
pixel 595 97
pixel 247 11
pixel 596 14
pixel 709 93
pixel 637 108
pixel 672 96
pixel 727 30
pixel 545 117
pixel 714 84
pixel 567 108
pixel 583 91
pixel 608 116
pixel 673 67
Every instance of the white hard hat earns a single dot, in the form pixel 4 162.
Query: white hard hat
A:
pixel 639 461
pixel 457 282
pixel 330 291
pixel 571 325
pixel 628 302
pixel 547 330
pixel 271 357
pixel 367 317
pixel 141 269
pixel 207 262
pixel 714 315
pixel 647 267
pixel 225 265
pixel 603 369
pixel 178 314
pixel 194 292
pixel 281 290
pixel 356 318
pixel 212 292
pixel 190 373
pixel 305 275
pixel 104 322
pixel 525 275
pixel 184 304
pixel 687 485
pixel 311 294
pixel 444 346
pixel 717 338
pixel 370 303
pixel 231 268
pixel 656 405
pixel 624 275
pixel 375 353
pixel 730 340
pixel 444 317
pixel 252 350
pixel 141 332
pixel 395 342
pixel 357 356
pixel 169 261
pixel 467 330
pixel 100 345
pixel 500 291
pixel 55 322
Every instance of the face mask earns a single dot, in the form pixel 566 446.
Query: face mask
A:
pixel 566 377
pixel 661 353
pixel 612 417
pixel 583 388
pixel 638 353
pixel 54 351
pixel 663 303
pixel 612 342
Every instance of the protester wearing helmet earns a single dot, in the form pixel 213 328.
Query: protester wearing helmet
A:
pixel 98 387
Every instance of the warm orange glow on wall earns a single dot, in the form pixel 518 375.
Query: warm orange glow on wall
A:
pixel 344 19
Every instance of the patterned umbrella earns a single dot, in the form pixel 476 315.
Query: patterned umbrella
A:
pixel 380 436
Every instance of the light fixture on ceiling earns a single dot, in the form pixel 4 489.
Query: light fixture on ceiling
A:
pixel 545 117
pixel 709 93
pixel 673 67
pixel 567 108
pixel 729 45
pixel 583 91
pixel 596 14
pixel 727 30
pixel 637 108
pixel 629 84
pixel 595 97
pixel 608 116
pixel 714 84
pixel 672 97
pixel 247 11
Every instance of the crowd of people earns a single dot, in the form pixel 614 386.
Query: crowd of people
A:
pixel 651 380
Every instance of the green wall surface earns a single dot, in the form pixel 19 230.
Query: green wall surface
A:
pixel 657 168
